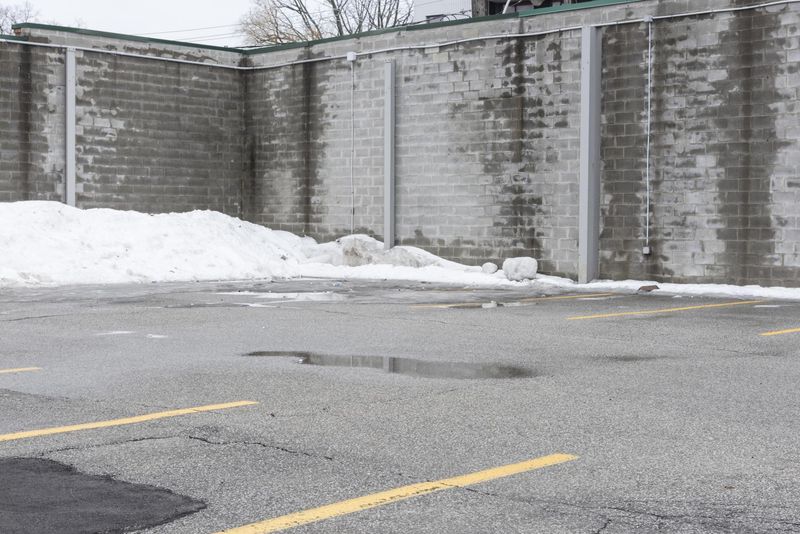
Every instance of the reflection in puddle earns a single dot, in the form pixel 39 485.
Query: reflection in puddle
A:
pixel 405 366
pixel 310 296
pixel 115 333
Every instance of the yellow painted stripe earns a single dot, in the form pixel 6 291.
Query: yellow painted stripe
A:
pixel 124 421
pixel 780 332
pixel 394 495
pixel 529 299
pixel 665 310
pixel 19 370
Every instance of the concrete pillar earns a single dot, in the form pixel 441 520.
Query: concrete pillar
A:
pixel 388 156
pixel 589 190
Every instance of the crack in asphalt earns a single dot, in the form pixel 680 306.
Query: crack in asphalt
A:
pixel 31 317
pixel 187 437
pixel 107 444
pixel 260 444
pixel 603 527
pixel 682 518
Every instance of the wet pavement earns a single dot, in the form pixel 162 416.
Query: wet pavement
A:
pixel 264 399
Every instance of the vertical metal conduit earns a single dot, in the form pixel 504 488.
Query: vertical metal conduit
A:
pixel 352 146
pixel 649 21
pixel 388 155
pixel 69 121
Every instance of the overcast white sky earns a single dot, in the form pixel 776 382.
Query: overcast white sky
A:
pixel 214 21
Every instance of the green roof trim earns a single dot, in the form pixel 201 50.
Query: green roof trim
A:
pixel 574 7
pixel 13 38
pixel 121 36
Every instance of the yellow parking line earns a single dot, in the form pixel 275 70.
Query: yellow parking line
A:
pixel 664 310
pixel 528 299
pixel 394 495
pixel 19 370
pixel 779 332
pixel 124 421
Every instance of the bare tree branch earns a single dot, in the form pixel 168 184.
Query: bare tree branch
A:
pixel 284 21
pixel 16 14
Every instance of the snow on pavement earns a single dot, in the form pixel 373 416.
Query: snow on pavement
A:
pixel 48 243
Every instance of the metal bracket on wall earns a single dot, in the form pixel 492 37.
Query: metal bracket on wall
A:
pixel 69 154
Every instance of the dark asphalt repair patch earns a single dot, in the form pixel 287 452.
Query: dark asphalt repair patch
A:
pixel 38 496
pixel 406 366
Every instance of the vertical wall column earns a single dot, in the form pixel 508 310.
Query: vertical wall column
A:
pixel 69 93
pixel 388 156
pixel 589 190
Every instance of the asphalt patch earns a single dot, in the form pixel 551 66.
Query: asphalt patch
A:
pixel 39 495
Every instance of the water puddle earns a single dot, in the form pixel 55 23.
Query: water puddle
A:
pixel 116 333
pixel 309 296
pixel 405 366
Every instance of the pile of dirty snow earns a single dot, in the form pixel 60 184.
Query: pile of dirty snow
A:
pixel 48 243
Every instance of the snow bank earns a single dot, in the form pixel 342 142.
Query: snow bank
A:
pixel 47 243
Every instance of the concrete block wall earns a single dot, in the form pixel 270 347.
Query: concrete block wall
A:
pixel 487 137
pixel 31 123
pixel 158 136
pixel 151 136
pixel 299 133
pixel 487 150
pixel 725 149
pixel 487 143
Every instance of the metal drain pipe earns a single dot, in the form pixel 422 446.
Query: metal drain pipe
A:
pixel 69 128
pixel 388 155
pixel 351 57
pixel 649 20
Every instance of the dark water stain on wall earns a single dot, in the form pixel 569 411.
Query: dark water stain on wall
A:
pixel 309 72
pixel 248 188
pixel 509 118
pixel 747 149
pixel 25 103
pixel 519 208
pixel 288 140
pixel 621 186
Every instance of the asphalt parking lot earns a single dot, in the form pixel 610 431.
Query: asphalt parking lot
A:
pixel 340 406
